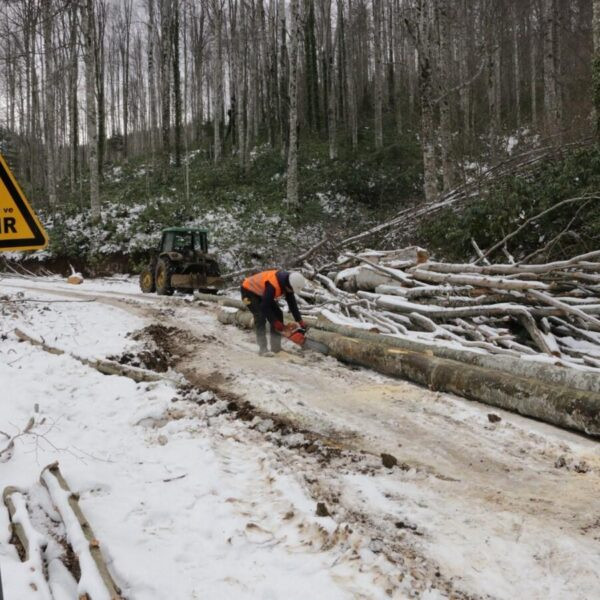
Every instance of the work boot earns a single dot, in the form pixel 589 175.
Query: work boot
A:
pixel 261 340
pixel 266 353
pixel 275 343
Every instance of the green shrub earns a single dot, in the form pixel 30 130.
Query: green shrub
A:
pixel 512 201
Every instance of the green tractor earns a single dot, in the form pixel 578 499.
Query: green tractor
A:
pixel 181 263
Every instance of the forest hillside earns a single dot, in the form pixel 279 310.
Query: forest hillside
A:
pixel 276 124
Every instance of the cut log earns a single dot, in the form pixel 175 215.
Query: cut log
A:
pixel 563 376
pixel 394 274
pixel 361 278
pixel 558 405
pixel 241 318
pixel 499 269
pixel 482 281
pixel 569 378
pixel 220 300
pixel 503 309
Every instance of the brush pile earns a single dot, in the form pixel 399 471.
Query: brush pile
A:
pixel 548 311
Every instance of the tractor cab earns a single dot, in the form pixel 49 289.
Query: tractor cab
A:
pixel 184 241
pixel 182 262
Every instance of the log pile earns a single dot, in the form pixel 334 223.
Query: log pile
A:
pixel 547 312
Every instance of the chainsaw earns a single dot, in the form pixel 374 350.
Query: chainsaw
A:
pixel 297 334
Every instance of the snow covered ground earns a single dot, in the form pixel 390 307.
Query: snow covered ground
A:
pixel 194 493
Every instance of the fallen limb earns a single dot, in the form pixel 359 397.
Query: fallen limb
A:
pixel 106 367
pixel 6 452
pixel 536 335
pixel 566 308
pixel 32 542
pixel 95 576
pixel 530 220
pixel 299 260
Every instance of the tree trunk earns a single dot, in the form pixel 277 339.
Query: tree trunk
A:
pixel 378 76
pixel 424 41
pixel 49 112
pixel 174 38
pixel 596 65
pixel 165 74
pixel 534 71
pixel 398 65
pixel 217 77
pixel 87 20
pixel 498 381
pixel 351 80
pixel 292 163
pixel 312 76
pixel 72 95
pixel 331 95
pixel 98 30
pixel 517 65
pixel 284 83
pixel 152 99
pixel 463 62
pixel 492 87
pixel 551 100
pixel 237 16
pixel 445 58
pixel 125 47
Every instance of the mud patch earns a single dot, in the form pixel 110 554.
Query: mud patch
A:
pixel 163 347
pixel 276 428
pixel 568 463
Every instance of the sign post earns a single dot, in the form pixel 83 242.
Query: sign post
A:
pixel 20 229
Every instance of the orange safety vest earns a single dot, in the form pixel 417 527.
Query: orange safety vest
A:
pixel 256 283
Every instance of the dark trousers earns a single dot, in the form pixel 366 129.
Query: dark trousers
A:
pixel 253 302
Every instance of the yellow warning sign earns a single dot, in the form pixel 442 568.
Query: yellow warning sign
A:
pixel 20 228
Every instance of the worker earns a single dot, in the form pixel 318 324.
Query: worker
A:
pixel 260 293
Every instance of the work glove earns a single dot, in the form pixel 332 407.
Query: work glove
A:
pixel 298 337
pixel 278 326
pixel 303 326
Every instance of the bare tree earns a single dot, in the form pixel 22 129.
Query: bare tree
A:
pixel 378 75
pixel 551 93
pixel 422 28
pixel 87 21
pixel 596 63
pixel 49 108
pixel 292 163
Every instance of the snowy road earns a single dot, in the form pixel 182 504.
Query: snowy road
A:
pixel 205 496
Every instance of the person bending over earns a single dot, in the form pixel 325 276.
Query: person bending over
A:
pixel 260 293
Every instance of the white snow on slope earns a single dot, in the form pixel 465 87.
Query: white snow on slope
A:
pixel 181 511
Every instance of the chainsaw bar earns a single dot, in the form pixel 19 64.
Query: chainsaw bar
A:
pixel 316 346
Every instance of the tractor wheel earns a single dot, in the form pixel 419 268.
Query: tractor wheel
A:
pixel 164 270
pixel 147 283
